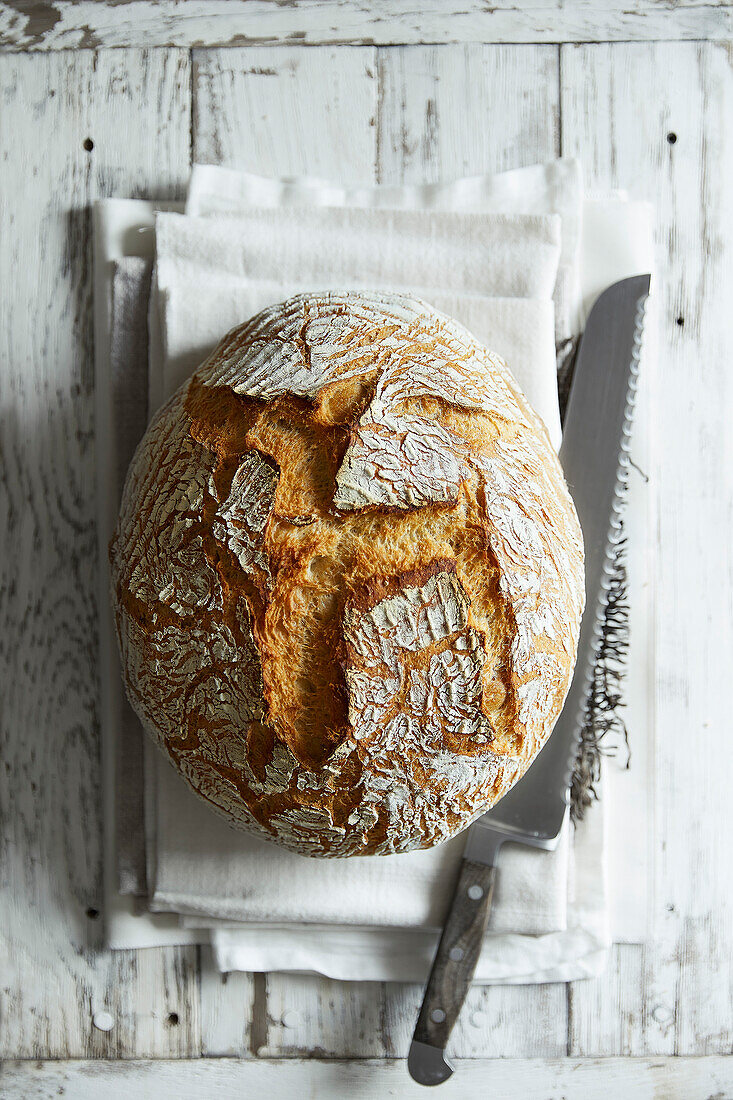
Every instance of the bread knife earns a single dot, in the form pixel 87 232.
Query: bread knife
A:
pixel 595 461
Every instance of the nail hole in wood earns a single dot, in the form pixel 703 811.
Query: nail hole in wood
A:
pixel 92 913
pixel 681 322
pixel 671 137
pixel 88 144
pixel 173 1018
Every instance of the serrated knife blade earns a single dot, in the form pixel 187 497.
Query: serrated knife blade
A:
pixel 594 457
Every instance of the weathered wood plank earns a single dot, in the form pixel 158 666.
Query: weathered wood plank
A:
pixel 315 1016
pixel 605 1013
pixel 511 1079
pixel 451 111
pixel 232 1011
pixel 72 127
pixel 74 24
pixel 308 1015
pixel 287 111
pixel 152 998
pixel 655 119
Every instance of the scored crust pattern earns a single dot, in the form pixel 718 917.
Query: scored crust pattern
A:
pixel 348 577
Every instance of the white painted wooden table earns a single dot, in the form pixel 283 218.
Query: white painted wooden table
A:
pixel 79 120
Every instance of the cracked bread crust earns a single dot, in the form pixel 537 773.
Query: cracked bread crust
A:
pixel 348 577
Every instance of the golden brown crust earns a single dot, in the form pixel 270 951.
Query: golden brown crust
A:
pixel 347 577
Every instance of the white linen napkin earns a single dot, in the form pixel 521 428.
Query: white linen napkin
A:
pixel 188 871
pixel 496 272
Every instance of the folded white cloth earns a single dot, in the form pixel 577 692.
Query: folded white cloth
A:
pixel 496 272
pixel 379 954
pixel 552 188
pixel 212 272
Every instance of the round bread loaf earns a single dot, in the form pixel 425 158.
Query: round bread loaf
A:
pixel 348 577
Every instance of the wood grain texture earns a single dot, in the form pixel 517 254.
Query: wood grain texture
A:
pixel 605 1014
pixel 451 111
pixel 233 1011
pixel 72 127
pixel 74 24
pixel 673 145
pixel 220 1079
pixel 287 111
pixel 512 1021
pixel 317 1017
pixel 458 950
pixel 152 996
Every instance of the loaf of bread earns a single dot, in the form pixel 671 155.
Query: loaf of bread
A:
pixel 348 577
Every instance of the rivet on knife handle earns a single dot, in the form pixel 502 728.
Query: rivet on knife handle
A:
pixel 453 969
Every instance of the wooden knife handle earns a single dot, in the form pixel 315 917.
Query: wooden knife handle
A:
pixel 457 955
